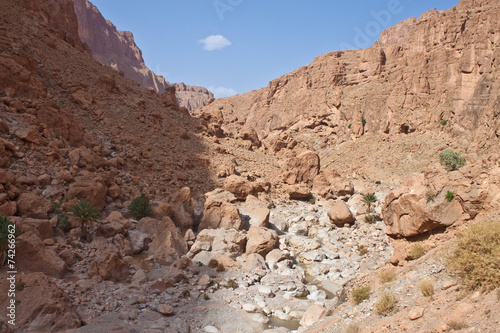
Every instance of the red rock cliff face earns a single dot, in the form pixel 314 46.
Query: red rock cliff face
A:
pixel 443 66
pixel 117 49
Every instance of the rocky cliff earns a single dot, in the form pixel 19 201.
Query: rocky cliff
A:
pixel 432 74
pixel 118 50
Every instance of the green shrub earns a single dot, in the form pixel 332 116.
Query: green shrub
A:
pixel 213 263
pixel 449 196
pixel 451 160
pixel 444 122
pixel 369 218
pixel 363 121
pixel 63 222
pixel 426 287
pixel 385 304
pixel 387 275
pixel 86 212
pixel 475 257
pixel 140 207
pixel 417 251
pixel 362 250
pixel 369 198
pixel 232 284
pixel 349 126
pixel 360 293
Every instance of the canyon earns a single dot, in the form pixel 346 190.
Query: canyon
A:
pixel 272 207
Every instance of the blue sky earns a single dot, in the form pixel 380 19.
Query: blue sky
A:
pixel 235 46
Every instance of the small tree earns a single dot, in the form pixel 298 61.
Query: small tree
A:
pixel 369 198
pixel 86 212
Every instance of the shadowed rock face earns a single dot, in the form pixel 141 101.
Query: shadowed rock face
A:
pixel 441 66
pixel 118 50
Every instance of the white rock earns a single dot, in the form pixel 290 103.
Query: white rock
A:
pixel 211 329
pixel 260 318
pixel 249 307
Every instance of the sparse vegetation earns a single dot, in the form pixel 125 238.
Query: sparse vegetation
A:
pixel 449 196
pixel 349 126
pixel 360 293
pixel 385 304
pixel 457 325
pixel 369 198
pixel 63 221
pixel 220 268
pixel 369 218
pixel 232 284
pixel 451 160
pixel 140 207
pixel 353 328
pixel 86 212
pixel 180 278
pixel 444 122
pixel 311 199
pixel 387 275
pixel 430 195
pixel 363 122
pixel 213 263
pixel 362 250
pixel 426 287
pixel 417 251
pixel 206 297
pixel 475 257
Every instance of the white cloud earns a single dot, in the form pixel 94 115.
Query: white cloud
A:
pixel 220 92
pixel 214 42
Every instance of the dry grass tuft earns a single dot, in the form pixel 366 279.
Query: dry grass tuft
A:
pixel 426 287
pixel 475 257
pixel 387 275
pixel 353 328
pixel 417 251
pixel 386 303
pixel 360 293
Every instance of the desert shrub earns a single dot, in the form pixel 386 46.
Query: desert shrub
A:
pixel 363 121
pixel 311 199
pixel 444 122
pixel 86 212
pixel 387 275
pixel 386 303
pixel 360 293
pixel 362 250
pixel 63 221
pixel 140 207
pixel 430 195
pixel 232 284
pixel 451 160
pixel 5 238
pixel 220 268
pixel 213 263
pixel 206 297
pixel 369 218
pixel 449 196
pixel 180 278
pixel 353 328
pixel 417 251
pixel 475 257
pixel 457 325
pixel 426 287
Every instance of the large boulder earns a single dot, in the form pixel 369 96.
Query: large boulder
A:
pixel 298 191
pixel 330 185
pixel 220 241
pixel 112 267
pixel 167 245
pixel 90 188
pixel 32 205
pixel 340 214
pixel 242 187
pixel 420 205
pixel 302 169
pixel 220 212
pixel 261 241
pixel 43 306
pixel 182 205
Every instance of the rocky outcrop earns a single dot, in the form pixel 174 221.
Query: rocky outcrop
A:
pixel 192 97
pixel 441 66
pixel 118 50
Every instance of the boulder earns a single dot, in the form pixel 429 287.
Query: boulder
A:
pixel 221 241
pixel 139 240
pixel 113 268
pixel 43 307
pixel 328 184
pixel 91 189
pixel 30 135
pixel 183 209
pixel 298 191
pixel 241 187
pixel 224 216
pixel 167 245
pixel 32 205
pixel 313 315
pixel 302 169
pixel 83 157
pixel 257 216
pixel 261 241
pixel 340 214
pixel 8 208
pixel 33 256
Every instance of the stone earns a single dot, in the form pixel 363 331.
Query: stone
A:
pixel 30 135
pixel 302 169
pixel 260 318
pixel 220 215
pixel 415 313
pixel 254 262
pixel 340 214
pixel 241 187
pixel 111 267
pixel 249 307
pixel 258 216
pixel 91 189
pixel 45 306
pixel 313 315
pixel 32 205
pixel 298 191
pixel 261 241
pixel 165 309
pixel 183 209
